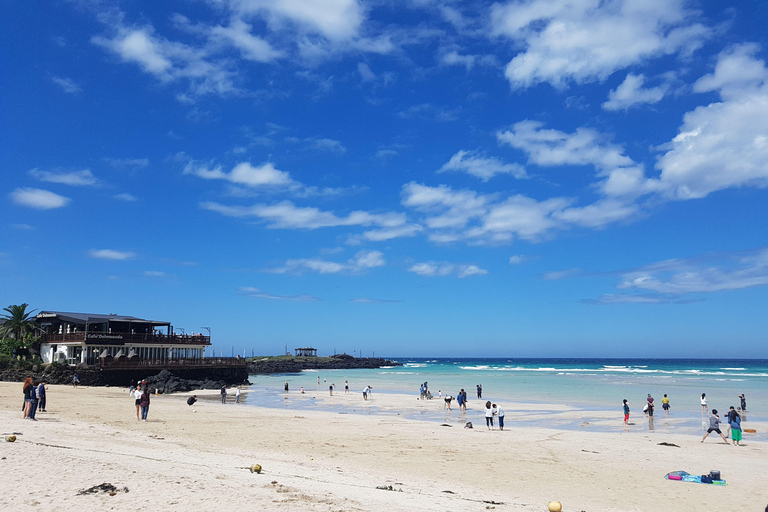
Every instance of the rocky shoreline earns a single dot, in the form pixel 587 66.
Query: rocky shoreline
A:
pixel 294 364
pixel 166 381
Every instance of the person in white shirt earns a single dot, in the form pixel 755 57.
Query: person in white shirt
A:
pixel 704 408
pixel 237 395
pixel 488 415
pixel 136 395
pixel 499 413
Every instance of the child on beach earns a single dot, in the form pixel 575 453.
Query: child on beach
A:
pixel 704 408
pixel 714 426
pixel 488 415
pixel 665 405
pixel 626 412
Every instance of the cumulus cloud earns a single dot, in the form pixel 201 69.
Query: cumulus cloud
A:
pixel 239 34
pixel 631 93
pixel 588 40
pixel 38 198
pixel 481 167
pixel 265 175
pixel 111 254
pixel 126 197
pixel 67 84
pixel 75 178
pixel 363 260
pixel 723 144
pixel 516 259
pixel 438 269
pixel 249 291
pixel 334 19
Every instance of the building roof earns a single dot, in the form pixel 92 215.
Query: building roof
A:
pixel 82 318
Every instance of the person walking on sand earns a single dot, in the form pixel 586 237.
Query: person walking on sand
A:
pixel 488 415
pixel 224 394
pixel 735 422
pixel 75 380
pixel 136 396
pixel 704 408
pixel 41 397
pixel 499 413
pixel 714 426
pixel 237 395
pixel 626 412
pixel 144 402
pixel 665 405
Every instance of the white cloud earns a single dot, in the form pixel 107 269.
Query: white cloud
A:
pixel 67 84
pixel 75 178
pixel 286 215
pixel 110 254
pixel 244 173
pixel 168 61
pixel 335 19
pixel 127 162
pixel 516 259
pixel 631 93
pixel 324 144
pixel 556 275
pixel 38 198
pixel 365 72
pixel 723 144
pixel 588 40
pixel 125 197
pixel 239 35
pixel 481 167
pixel 547 147
pixel 259 294
pixel 469 61
pixel 703 274
pixel 381 235
pixel 437 269
pixel 363 260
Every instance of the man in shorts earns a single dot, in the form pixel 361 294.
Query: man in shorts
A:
pixel 714 426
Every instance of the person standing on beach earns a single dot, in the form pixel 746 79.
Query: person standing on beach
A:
pixel 735 423
pixel 144 402
pixel 499 413
pixel 743 406
pixel 665 405
pixel 479 391
pixel 330 389
pixel 460 399
pixel 224 394
pixel 346 387
pixel 626 412
pixel 728 422
pixel 136 396
pixel 704 408
pixel 41 396
pixel 237 395
pixel 286 385
pixel 32 402
pixel 464 402
pixel 75 380
pixel 488 415
pixel 28 389
pixel 714 426
pixel 650 406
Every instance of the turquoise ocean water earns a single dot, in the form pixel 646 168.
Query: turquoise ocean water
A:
pixel 588 386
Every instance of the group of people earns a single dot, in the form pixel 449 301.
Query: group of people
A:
pixel 493 411
pixel 461 399
pixel 34 399
pixel 237 393
pixel 140 395
pixel 733 419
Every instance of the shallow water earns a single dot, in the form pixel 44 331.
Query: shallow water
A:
pixel 592 387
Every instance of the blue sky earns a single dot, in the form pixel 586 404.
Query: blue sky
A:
pixel 519 178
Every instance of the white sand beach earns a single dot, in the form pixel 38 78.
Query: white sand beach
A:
pixel 196 458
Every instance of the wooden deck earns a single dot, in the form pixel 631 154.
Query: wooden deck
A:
pixel 121 338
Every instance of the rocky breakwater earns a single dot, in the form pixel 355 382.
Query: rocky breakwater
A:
pixel 292 364
pixel 167 382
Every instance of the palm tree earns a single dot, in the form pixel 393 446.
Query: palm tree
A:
pixel 17 322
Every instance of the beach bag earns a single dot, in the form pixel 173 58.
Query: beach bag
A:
pixel 706 479
pixel 468 425
pixel 714 475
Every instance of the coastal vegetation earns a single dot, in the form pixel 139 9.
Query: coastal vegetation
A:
pixel 18 345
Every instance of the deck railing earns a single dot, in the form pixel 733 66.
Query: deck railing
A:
pixel 188 362
pixel 121 338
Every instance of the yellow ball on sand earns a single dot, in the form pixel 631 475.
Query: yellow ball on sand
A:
pixel 10 439
pixel 256 468
pixel 554 506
